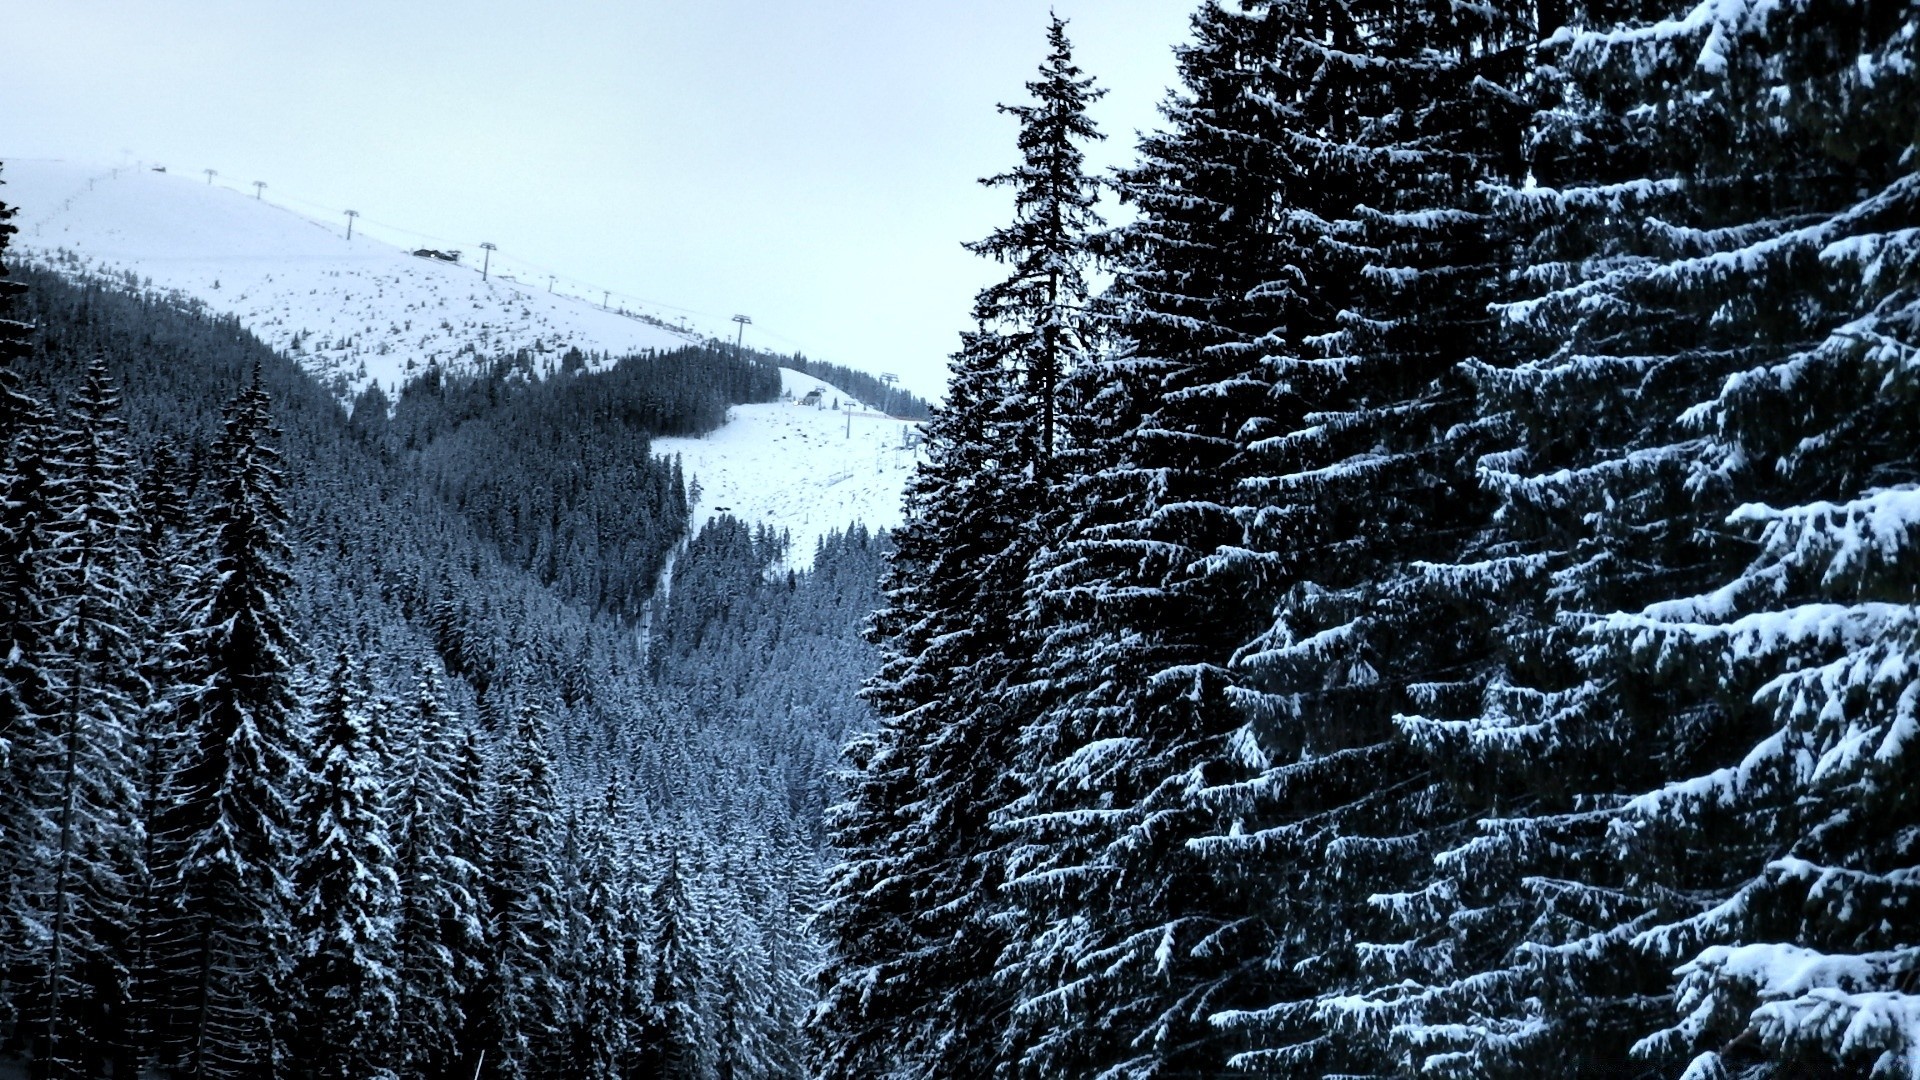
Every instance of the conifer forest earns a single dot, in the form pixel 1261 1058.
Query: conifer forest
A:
pixel 1417 576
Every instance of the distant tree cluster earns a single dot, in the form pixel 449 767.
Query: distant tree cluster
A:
pixel 1452 607
pixel 864 386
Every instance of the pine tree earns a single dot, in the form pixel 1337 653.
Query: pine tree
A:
pixel 169 556
pixel 439 941
pixel 1128 941
pixel 526 920
pixel 84 791
pixel 26 431
pixel 1804 968
pixel 601 1038
pixel 228 838
pixel 344 882
pixel 1405 114
pixel 915 910
pixel 675 1038
pixel 1679 216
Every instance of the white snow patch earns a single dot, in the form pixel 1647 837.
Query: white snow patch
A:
pixel 804 468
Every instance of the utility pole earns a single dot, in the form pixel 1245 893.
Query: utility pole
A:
pixel 486 260
pixel 258 187
pixel 351 214
pixel 210 175
pixel 741 336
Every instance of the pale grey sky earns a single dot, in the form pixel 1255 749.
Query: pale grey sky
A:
pixel 811 165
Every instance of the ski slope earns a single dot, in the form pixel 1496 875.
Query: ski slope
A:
pixel 354 312
pixel 360 312
pixel 807 469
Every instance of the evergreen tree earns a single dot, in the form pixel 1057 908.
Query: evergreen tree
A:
pixel 675 1038
pixel 1129 942
pixel 438 937
pixel 85 799
pixel 344 881
pixel 1683 218
pixel 526 920
pixel 914 911
pixel 25 432
pixel 602 1034
pixel 229 836
pixel 1405 114
pixel 1799 959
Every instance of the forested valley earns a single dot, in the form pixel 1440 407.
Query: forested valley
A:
pixel 333 745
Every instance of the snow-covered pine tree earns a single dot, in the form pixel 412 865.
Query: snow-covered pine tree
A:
pixel 601 1036
pixel 84 785
pixel 25 433
pixel 526 920
pixel 1406 111
pixel 1128 941
pixel 1038 313
pixel 1678 243
pixel 675 1038
pixel 439 939
pixel 343 962
pixel 226 843
pixel 914 910
pixel 1807 968
pixel 169 556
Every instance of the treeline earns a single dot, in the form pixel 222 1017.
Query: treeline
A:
pixel 865 388
pixel 558 472
pixel 1452 607
pixel 304 776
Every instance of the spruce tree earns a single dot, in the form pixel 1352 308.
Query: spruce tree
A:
pixel 1128 941
pixel 228 839
pixel 526 921
pixel 1680 210
pixel 25 435
pixel 344 976
pixel 1799 960
pixel 915 910
pixel 1406 114
pixel 86 801
pixel 438 935
pixel 676 1037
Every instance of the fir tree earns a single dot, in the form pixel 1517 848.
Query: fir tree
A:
pixel 345 884
pixel 229 835
pixel 675 1038
pixel 85 795
pixel 915 910
pixel 1679 217
pixel 527 923
pixel 438 937
pixel 1129 942
pixel 1406 114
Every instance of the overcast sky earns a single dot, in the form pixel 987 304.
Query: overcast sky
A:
pixel 811 165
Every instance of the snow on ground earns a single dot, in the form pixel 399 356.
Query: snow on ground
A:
pixel 362 311
pixel 809 470
pixel 352 312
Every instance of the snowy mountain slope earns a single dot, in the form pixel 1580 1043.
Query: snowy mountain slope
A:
pixel 798 467
pixel 364 311
pixel 352 312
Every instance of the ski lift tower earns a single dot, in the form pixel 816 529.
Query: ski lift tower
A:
pixel 886 404
pixel 740 337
